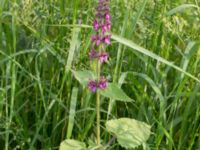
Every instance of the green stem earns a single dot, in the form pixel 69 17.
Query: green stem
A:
pixel 98 71
pixel 98 117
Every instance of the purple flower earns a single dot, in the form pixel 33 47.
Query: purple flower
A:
pixel 96 39
pixel 104 28
pixel 92 85
pixel 103 57
pixel 107 17
pixel 95 25
pixel 106 39
pixel 102 83
pixel 109 26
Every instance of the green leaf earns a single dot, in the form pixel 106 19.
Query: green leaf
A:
pixel 83 76
pixel 114 92
pixel 72 145
pixel 130 133
pixel 72 112
pixel 73 46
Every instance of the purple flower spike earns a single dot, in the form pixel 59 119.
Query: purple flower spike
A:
pixel 92 85
pixel 96 25
pixel 103 57
pixel 101 26
pixel 102 83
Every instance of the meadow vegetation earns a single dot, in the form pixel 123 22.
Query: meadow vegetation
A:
pixel 154 57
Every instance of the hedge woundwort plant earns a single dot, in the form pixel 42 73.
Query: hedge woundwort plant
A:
pixel 99 41
pixel 138 131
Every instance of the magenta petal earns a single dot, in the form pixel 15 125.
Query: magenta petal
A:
pixel 98 41
pixel 107 16
pixel 104 28
pixel 103 57
pixel 96 25
pixel 107 39
pixel 108 26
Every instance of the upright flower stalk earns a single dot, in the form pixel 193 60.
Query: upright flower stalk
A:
pixel 98 54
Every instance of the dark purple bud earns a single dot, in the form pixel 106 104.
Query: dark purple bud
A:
pixel 92 86
pixel 106 9
pixel 103 57
pixel 93 54
pixel 102 83
pixel 98 15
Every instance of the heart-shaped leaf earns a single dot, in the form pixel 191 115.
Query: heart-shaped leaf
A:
pixel 83 76
pixel 72 145
pixel 114 92
pixel 130 133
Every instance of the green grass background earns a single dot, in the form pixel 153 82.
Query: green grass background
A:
pixel 41 41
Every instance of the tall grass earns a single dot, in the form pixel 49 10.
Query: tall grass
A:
pixel 155 59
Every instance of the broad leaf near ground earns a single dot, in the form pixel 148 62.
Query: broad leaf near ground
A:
pixel 72 145
pixel 130 133
pixel 114 92
pixel 83 76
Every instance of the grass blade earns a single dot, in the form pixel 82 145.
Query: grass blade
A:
pixel 181 8
pixel 150 54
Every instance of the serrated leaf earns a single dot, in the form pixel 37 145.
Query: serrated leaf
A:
pixel 130 133
pixel 114 92
pixel 72 145
pixel 83 76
